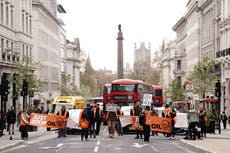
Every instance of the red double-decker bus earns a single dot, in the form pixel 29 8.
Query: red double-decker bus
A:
pixel 106 99
pixel 126 92
pixel 158 96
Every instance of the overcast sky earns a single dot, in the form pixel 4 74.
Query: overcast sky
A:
pixel 95 23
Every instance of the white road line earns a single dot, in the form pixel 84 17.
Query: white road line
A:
pixel 182 148
pixel 59 145
pixel 154 148
pixel 57 150
pixel 105 128
pixel 17 147
pixel 96 149
pixel 98 143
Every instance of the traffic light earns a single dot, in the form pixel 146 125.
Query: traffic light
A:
pixel 5 86
pixel 25 88
pixel 218 89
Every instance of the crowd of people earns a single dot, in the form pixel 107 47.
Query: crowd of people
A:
pixel 92 117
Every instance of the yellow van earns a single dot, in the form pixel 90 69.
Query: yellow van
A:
pixel 71 102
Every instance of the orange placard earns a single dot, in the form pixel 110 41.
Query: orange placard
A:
pixel 135 123
pixel 47 120
pixel 158 124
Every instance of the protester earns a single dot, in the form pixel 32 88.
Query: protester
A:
pixel 224 119
pixel 65 114
pixel 112 120
pixel 193 126
pixel 146 126
pixel 202 120
pixel 11 119
pixel 154 113
pixel 91 121
pixel 84 117
pixel 24 121
pixel 98 118
pixel 172 116
pixel 212 120
pixel 119 126
pixel 135 111
pixel 166 114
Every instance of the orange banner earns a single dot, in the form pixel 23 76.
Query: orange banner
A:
pixel 158 124
pixel 47 120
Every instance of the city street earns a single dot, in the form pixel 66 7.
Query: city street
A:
pixel 101 144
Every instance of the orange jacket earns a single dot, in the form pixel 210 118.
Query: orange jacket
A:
pixel 24 119
pixel 65 114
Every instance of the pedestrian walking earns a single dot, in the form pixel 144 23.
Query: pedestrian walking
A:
pixel 84 123
pixel 135 111
pixel 24 121
pixel 224 119
pixel 65 114
pixel 98 118
pixel 119 126
pixel 11 119
pixel 112 120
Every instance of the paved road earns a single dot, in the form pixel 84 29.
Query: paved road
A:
pixel 101 144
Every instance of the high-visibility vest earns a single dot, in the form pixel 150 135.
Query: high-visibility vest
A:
pixel 65 114
pixel 147 117
pixel 24 119
pixel 166 112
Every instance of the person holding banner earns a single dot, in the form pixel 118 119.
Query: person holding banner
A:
pixel 112 119
pixel 173 122
pixel 135 111
pixel 119 126
pixel 146 126
pixel 24 121
pixel 64 113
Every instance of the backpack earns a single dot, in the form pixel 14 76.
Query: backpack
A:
pixel 142 118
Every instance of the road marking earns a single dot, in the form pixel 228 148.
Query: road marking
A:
pixel 105 129
pixel 17 147
pixel 57 150
pixel 98 143
pixel 137 145
pixel 97 146
pixel 59 145
pixel 182 148
pixel 154 148
pixel 96 149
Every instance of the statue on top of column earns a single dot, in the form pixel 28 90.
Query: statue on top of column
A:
pixel 119 27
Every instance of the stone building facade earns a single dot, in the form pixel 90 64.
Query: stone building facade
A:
pixel 15 39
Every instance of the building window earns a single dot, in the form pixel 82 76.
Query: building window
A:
pixel 178 64
pixel 23 50
pixel 23 24
pixel 2 13
pixel 12 18
pixel 27 24
pixel 30 26
pixel 178 81
pixel 7 15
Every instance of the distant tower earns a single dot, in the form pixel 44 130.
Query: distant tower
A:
pixel 120 73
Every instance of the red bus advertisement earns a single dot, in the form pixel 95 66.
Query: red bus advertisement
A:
pixel 106 99
pixel 157 96
pixel 126 92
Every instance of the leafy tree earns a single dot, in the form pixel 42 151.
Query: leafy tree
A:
pixel 24 70
pixel 176 90
pixel 202 77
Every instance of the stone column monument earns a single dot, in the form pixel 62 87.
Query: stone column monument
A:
pixel 120 73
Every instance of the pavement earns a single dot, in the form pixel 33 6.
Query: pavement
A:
pixel 213 143
pixel 6 143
